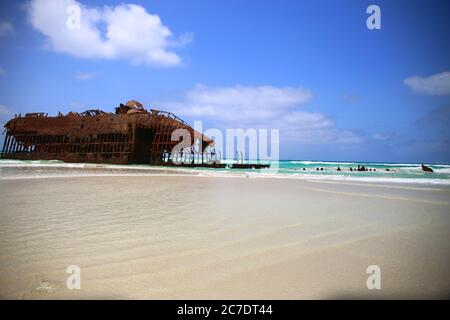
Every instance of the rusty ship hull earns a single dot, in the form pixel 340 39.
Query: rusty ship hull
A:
pixel 132 135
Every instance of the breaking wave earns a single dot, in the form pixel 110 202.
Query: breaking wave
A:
pixel 397 173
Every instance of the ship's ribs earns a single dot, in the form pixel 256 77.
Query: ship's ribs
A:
pixel 131 135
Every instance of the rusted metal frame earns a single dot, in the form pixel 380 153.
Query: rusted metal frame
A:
pixel 158 151
pixel 117 143
pixel 28 142
pixel 168 145
pixel 5 142
pixel 133 139
pixel 11 145
pixel 10 141
pixel 14 148
pixel 165 136
pixel 22 147
pixel 19 145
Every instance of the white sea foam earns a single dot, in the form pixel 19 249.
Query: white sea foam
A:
pixel 307 162
pixel 386 164
pixel 420 181
pixel 17 169
pixel 62 165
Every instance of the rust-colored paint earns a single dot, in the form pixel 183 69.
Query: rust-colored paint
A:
pixel 130 135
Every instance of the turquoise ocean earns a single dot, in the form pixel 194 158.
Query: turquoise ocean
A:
pixel 301 169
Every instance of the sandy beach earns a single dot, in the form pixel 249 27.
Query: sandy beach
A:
pixel 192 237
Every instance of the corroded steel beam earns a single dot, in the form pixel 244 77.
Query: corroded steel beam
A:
pixel 130 135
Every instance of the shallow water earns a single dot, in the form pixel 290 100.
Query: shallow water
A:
pixel 172 236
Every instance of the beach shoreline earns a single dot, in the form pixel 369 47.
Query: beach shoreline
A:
pixel 387 174
pixel 186 237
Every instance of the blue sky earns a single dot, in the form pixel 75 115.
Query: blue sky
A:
pixel 334 88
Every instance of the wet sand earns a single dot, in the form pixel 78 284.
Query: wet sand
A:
pixel 174 237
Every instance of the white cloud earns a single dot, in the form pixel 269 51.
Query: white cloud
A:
pixel 125 31
pixel 262 107
pixel 4 110
pixel 313 128
pixel 435 85
pixel 243 103
pixel 84 75
pixel 5 28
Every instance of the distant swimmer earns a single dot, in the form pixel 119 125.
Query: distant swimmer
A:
pixel 304 169
pixel 339 169
pixel 317 169
pixel 351 169
pixel 425 168
pixel 321 169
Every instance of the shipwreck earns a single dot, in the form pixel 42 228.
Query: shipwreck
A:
pixel 131 135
